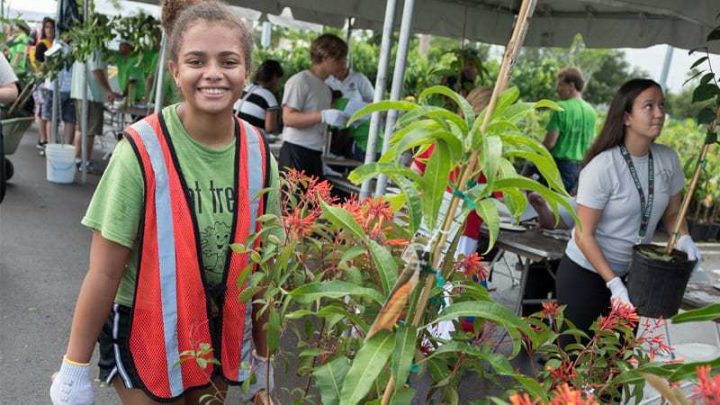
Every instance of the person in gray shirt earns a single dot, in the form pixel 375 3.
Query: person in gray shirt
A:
pixel 622 170
pixel 8 82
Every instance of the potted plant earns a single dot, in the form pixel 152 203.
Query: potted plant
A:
pixel 659 275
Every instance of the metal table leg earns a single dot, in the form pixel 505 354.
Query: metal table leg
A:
pixel 523 282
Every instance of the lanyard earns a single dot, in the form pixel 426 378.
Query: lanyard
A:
pixel 645 205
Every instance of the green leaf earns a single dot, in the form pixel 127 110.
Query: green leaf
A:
pixel 532 387
pixel 413 200
pixel 402 356
pixel 440 115
pixel 506 99
pixel 333 289
pixel 491 155
pixel 382 106
pixel 385 264
pixel 491 311
pixel 552 198
pixel 338 310
pixel 516 201
pixel 515 111
pixel 367 365
pixel 545 165
pixel 708 313
pixel 706 116
pixel 329 379
pixel 714 35
pixel 370 170
pixel 487 210
pixel 705 92
pixel 403 397
pixel 435 182
pixel 707 78
pixel 340 217
pixel 274 331
pixel 465 107
pixel 698 62
pixel 547 104
pixel 423 136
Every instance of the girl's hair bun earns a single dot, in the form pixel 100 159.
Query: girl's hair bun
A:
pixel 171 9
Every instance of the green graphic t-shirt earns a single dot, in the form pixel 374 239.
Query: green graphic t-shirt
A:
pixel 116 207
pixel 576 129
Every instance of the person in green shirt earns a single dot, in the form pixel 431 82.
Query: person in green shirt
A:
pixel 570 131
pixel 130 70
pixel 18 47
pixel 210 55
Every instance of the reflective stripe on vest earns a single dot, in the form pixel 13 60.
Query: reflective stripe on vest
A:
pixel 174 269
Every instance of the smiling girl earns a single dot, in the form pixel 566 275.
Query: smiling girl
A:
pixel 179 189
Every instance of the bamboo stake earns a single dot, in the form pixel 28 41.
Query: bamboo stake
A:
pixel 680 220
pixel 518 36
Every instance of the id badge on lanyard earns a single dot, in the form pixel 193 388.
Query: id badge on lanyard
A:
pixel 645 204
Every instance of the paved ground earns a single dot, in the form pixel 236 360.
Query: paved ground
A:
pixel 43 258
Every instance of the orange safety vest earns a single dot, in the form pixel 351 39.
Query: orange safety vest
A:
pixel 172 306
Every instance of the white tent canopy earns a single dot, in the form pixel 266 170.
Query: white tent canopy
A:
pixel 603 23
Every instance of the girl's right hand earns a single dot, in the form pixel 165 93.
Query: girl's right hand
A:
pixel 72 385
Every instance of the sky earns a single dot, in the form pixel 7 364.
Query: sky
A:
pixel 648 59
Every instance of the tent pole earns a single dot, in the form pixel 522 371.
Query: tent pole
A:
pixel 348 35
pixel 85 105
pixel 666 67
pixel 56 89
pixel 385 47
pixel 397 83
pixel 160 77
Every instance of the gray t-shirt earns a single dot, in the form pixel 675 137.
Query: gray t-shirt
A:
pixel 606 184
pixel 6 72
pixel 306 92
pixel 95 92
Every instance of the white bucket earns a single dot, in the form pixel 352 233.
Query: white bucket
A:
pixel 60 163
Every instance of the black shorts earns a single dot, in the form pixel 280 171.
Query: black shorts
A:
pixel 115 357
pixel 298 157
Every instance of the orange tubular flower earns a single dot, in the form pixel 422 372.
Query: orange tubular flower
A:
pixel 708 387
pixel 566 395
pixel 522 399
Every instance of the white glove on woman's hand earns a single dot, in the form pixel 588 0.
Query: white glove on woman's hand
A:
pixel 263 370
pixel 72 385
pixel 687 245
pixel 335 118
pixel 618 290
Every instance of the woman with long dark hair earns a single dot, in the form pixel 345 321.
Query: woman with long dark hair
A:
pixel 627 185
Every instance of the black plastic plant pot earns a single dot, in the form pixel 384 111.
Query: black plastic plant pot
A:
pixel 656 285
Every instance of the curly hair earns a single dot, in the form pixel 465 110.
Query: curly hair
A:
pixel 180 15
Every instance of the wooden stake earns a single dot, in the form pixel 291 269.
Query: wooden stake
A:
pixel 691 189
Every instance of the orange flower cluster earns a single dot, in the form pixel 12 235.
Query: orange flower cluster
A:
pixel 562 395
pixel 472 265
pixel 708 386
pixel 621 316
pixel 373 215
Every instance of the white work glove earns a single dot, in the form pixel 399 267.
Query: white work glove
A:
pixel 334 118
pixel 466 246
pixel 72 385
pixel 687 245
pixel 259 367
pixel 618 290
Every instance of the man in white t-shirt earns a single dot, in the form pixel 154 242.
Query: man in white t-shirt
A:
pixel 307 108
pixel 352 84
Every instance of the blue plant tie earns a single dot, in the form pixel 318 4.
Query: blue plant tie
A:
pixel 439 279
pixel 414 368
pixel 468 201
pixel 471 183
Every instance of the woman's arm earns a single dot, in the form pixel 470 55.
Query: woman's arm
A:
pixel 107 263
pixel 671 213
pixel 585 239
pixel 298 119
pixel 8 92
pixel 271 121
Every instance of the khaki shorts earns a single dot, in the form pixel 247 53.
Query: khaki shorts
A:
pixel 95 116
